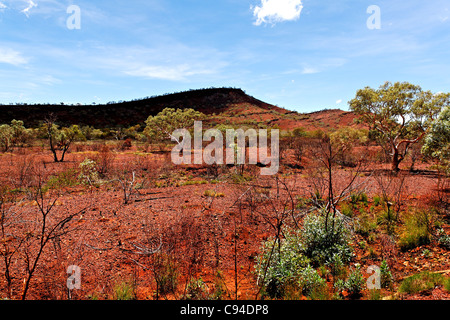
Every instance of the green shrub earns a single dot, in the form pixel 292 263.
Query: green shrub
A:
pixel 279 265
pixel 67 178
pixel 312 284
pixel 88 173
pixel 418 231
pixel 376 201
pixel 347 210
pixel 321 243
pixel 443 239
pixel 197 290
pixel 337 267
pixel 422 282
pixel 355 198
pixel 213 194
pixel 386 278
pixel 166 274
pixel 365 225
pixel 354 283
pixel 124 290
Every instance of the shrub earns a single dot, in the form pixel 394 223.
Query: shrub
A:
pixel 347 210
pixel 125 144
pixel 63 179
pixel 312 284
pixel 354 283
pixel 443 239
pixel 167 276
pixel 88 172
pixel 418 230
pixel 422 282
pixel 124 290
pixel 365 225
pixel 197 290
pixel 280 265
pixel 213 194
pixel 337 267
pixel 386 278
pixel 320 243
pixel 376 200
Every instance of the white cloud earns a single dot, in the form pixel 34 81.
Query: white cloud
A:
pixel 309 70
pixel 31 5
pixel 272 11
pixel 2 6
pixel 174 73
pixel 339 101
pixel 11 57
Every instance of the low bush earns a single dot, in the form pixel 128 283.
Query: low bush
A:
pixel 365 225
pixel 422 282
pixel 312 284
pixel 418 230
pixel 354 283
pixel 321 242
pixel 124 290
pixel 443 239
pixel 197 290
pixel 280 264
pixel 64 179
pixel 386 279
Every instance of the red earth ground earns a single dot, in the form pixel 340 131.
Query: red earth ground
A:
pixel 215 238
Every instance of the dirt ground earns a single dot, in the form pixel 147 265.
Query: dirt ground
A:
pixel 206 225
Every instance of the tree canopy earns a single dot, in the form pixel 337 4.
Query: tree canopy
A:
pixel 401 113
pixel 437 141
pixel 161 126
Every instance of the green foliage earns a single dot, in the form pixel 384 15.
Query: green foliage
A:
pixel 61 139
pixel 197 290
pixel 365 225
pixel 437 142
pixel 166 274
pixel 321 242
pixel 5 137
pixel 354 283
pixel 337 267
pixel 299 132
pixel 418 230
pixel 88 173
pixel 124 290
pixel 422 282
pixel 344 140
pixel 312 284
pixel 347 209
pixel 213 194
pixel 279 265
pixel 388 219
pixel 14 135
pixel 399 112
pixel 443 239
pixel 67 178
pixel 160 127
pixel 376 201
pixel 386 279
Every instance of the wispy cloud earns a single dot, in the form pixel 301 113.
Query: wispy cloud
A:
pixel 173 73
pixel 168 61
pixel 2 6
pixel 31 5
pixel 309 70
pixel 273 11
pixel 11 56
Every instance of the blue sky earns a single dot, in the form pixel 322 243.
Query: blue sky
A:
pixel 302 55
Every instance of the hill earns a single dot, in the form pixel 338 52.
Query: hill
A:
pixel 221 104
